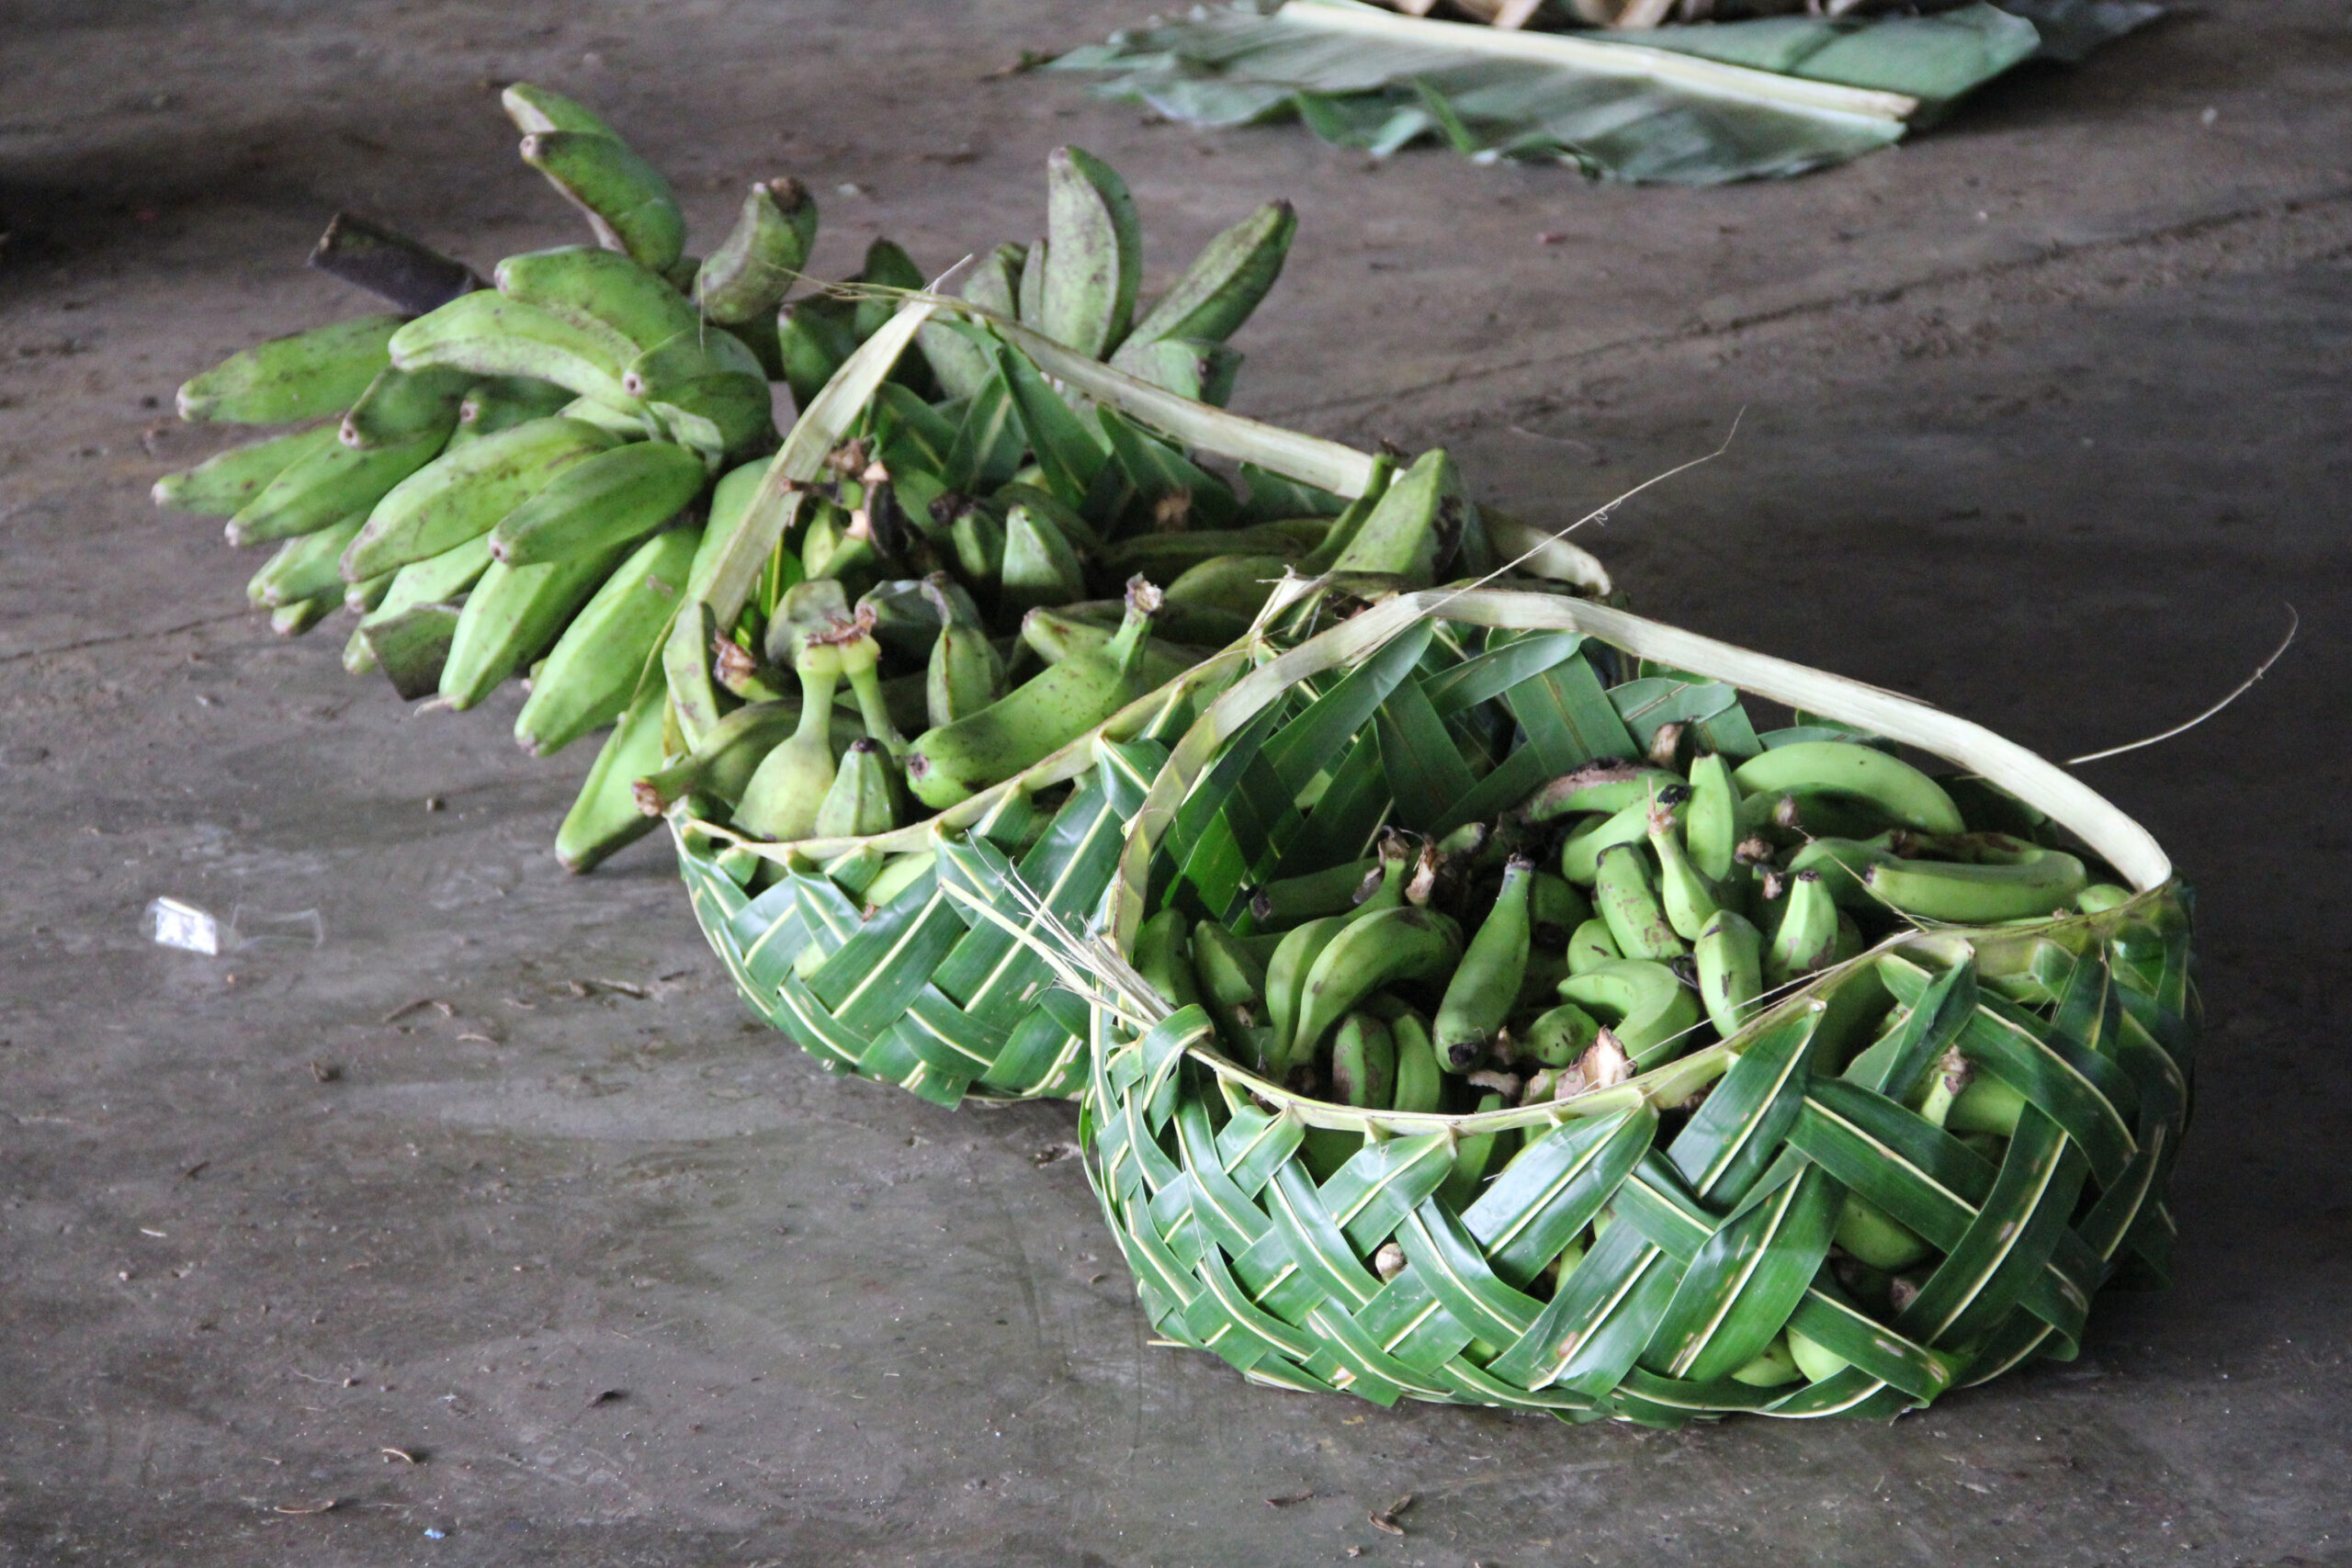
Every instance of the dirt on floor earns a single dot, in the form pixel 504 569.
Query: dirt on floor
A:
pixel 486 1228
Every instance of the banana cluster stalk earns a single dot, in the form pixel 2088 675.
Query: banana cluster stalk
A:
pixel 535 479
pixel 1616 918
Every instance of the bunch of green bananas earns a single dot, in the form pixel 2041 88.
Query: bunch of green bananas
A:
pixel 540 477
pixel 1616 918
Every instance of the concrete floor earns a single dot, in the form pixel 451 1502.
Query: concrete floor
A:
pixel 2044 422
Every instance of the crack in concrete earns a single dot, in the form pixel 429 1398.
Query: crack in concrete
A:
pixel 122 637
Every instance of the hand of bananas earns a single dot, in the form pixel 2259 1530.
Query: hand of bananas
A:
pixel 539 478
pixel 1616 918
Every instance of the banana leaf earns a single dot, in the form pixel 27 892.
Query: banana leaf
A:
pixel 1701 105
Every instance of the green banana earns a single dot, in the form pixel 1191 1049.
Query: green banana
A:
pixel 886 266
pixel 1608 786
pixel 463 495
pixel 1626 895
pixel 1224 284
pixel 1364 1063
pixel 1689 898
pixel 1816 1364
pixel 1730 953
pixel 490 334
pixel 434 580
pixel 1197 371
pixel 1555 907
pixel 535 108
pixel 603 292
pixel 1345 526
pixel 399 405
pixel 1559 1035
pixel 1645 1004
pixel 1293 960
pixel 604 817
pixel 2042 882
pixel 294 619
pixel 964 672
pixel 861 660
pixel 952 762
pixel 1387 947
pixel 813 337
pixel 962 361
pixel 781 800
pixel 1161 943
pixel 605 501
pixel 863 799
pixel 721 766
pixel 1712 825
pixel 1591 945
pixel 305 375
pixel 511 616
pixel 1409 532
pixel 1054 636
pixel 1773 1366
pixel 619 423
pixel 976 534
pixel 1332 891
pixel 1421 1082
pixel 625 198
pixel 694 701
pixel 730 498
pixel 1029 298
pixel 1170 554
pixel 1868 1233
pixel 1236 584
pixel 897 873
pixel 326 486
pixel 1580 854
pixel 364 596
pixel 1806 937
pixel 1842 767
pixel 501 402
pixel 2100 897
pixel 304 567
pixel 1093 257
pixel 1485 985
pixel 728 415
pixel 759 260
pixel 1473 1156
pixel 699 350
pixel 597 665
pixel 1040 568
pixel 411 645
pixel 225 483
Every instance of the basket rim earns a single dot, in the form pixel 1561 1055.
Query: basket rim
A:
pixel 2103 826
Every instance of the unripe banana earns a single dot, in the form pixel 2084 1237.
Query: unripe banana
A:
pixel 412 646
pixel 897 873
pixel 1171 554
pixel 1730 953
pixel 863 797
pixel 597 665
pixel 1333 891
pixel 1352 516
pixel 1473 1156
pixel 1485 985
pixel 2041 882
pixel 1711 827
pixel 1646 1006
pixel 329 484
pixel 1054 636
pixel 1232 982
pixel 604 817
pixel 305 567
pixel 625 198
pixel 886 266
pixel 1772 1367
pixel 362 597
pixel 1420 1081
pixel 1559 1036
pixel 294 619
pixel 604 502
pixel 1869 1233
pixel 490 334
pixel 436 579
pixel 402 404
pixel 603 292
pixel 977 536
pixel 1390 947
pixel 1364 1063
pixel 699 350
pixel 1902 791
pixel 1294 958
pixel 1580 855
pixel 1591 945
pixel 1195 370
pixel 1092 263
pixel 955 761
pixel 1161 943
pixel 723 417
pixel 621 425
pixel 1817 1364
pixel 1405 533
pixel 1626 895
pixel 512 615
pixel 861 658
pixel 225 483
pixel 1689 898
pixel 1224 284
pixel 813 337
pixel 730 498
pixel 2101 896
pixel 1040 567
pixel 963 674
pixel 535 108
pixel 1806 938
pixel 305 375
pixel 960 352
pixel 761 259
pixel 721 765
pixel 1607 787
pixel 1237 585
pixel 463 495
pixel 780 803
pixel 1555 908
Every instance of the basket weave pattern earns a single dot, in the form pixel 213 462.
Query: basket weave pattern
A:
pixel 1707 1221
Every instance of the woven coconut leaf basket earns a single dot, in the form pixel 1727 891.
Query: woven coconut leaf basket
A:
pixel 925 989
pixel 1647 1249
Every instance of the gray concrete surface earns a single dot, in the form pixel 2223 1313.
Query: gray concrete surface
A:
pixel 2044 422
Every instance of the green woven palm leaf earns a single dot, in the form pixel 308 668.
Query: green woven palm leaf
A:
pixel 1643 1249
pixel 1676 105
